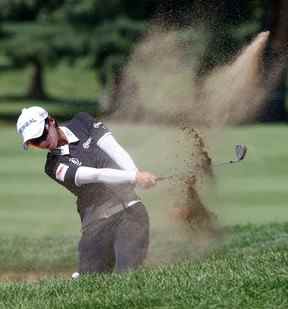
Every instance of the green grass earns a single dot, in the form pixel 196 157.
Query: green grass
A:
pixel 252 191
pixel 249 271
pixel 67 95
pixel 256 189
pixel 81 83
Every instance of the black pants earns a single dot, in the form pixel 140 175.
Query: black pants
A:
pixel 118 243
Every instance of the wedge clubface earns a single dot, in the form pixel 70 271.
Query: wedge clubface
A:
pixel 240 154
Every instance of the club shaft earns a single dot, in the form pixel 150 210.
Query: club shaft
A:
pixel 239 155
pixel 161 178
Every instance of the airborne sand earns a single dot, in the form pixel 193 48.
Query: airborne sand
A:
pixel 161 85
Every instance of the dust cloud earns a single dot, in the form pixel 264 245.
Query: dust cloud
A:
pixel 161 85
pixel 161 82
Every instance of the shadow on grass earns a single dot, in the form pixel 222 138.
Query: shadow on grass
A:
pixel 65 107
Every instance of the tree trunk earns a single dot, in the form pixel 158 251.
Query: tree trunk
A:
pixel 276 60
pixel 36 88
pixel 217 36
pixel 115 93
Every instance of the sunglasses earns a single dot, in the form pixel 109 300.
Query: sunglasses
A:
pixel 38 140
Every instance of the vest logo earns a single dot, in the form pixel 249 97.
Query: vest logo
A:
pixel 97 125
pixel 86 144
pixel 75 161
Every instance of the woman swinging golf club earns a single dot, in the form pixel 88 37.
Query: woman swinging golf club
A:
pixel 84 157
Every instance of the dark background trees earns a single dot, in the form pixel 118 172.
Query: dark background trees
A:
pixel 276 20
pixel 41 34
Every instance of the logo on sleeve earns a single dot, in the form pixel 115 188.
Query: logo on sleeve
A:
pixel 75 161
pixel 61 172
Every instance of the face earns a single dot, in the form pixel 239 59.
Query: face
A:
pixel 49 139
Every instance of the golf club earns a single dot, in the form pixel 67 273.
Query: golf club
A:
pixel 240 154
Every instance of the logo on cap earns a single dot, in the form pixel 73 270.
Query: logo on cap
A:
pixel 26 124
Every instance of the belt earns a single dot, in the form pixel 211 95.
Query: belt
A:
pixel 93 213
pixel 104 212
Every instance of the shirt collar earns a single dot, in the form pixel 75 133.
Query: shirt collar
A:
pixel 71 138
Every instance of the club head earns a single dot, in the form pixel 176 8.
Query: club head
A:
pixel 240 151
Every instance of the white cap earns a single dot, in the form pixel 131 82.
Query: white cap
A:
pixel 31 122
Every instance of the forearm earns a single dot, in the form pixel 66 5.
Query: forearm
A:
pixel 86 175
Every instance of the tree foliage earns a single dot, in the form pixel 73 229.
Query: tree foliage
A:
pixel 27 10
pixel 42 33
pixel 52 31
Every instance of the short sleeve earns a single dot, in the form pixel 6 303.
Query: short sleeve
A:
pixel 99 131
pixel 97 128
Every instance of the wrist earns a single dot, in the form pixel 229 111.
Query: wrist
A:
pixel 133 176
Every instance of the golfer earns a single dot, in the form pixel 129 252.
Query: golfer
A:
pixel 84 157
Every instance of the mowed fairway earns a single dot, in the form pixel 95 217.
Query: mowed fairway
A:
pixel 40 227
pixel 254 190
